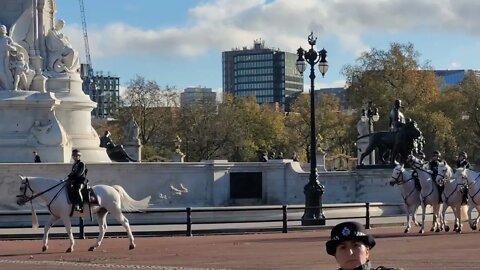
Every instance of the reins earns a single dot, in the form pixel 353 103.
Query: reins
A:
pixel 27 184
pixel 404 182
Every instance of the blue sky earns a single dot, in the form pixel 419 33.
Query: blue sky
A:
pixel 179 42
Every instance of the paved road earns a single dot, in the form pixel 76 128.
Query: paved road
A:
pixel 295 250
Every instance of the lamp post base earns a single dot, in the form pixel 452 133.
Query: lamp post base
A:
pixel 313 204
pixel 313 222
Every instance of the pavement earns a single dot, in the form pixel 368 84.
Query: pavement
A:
pixel 293 250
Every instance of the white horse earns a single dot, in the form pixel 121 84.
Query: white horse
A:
pixel 53 192
pixel 429 194
pixel 452 195
pixel 410 193
pixel 471 179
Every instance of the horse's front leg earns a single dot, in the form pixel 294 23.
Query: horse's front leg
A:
pixel 458 218
pixel 422 228
pixel 437 218
pixel 444 220
pixel 51 220
pixel 408 220
pixel 68 228
pixel 469 213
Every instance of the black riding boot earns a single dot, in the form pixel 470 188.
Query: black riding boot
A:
pixel 78 200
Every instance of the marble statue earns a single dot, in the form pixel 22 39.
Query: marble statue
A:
pixel 132 131
pixel 22 74
pixel 6 48
pixel 62 57
pixel 42 104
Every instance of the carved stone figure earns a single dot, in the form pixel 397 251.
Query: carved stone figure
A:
pixel 20 70
pixel 6 48
pixel 49 134
pixel 62 58
pixel 132 132
pixel 397 119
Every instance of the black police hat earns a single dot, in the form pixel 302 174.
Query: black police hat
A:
pixel 348 231
pixel 76 152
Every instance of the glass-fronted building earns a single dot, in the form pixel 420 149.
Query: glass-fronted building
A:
pixel 104 90
pixel 266 73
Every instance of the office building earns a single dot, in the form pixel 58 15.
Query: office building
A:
pixel 104 90
pixel 266 73
pixel 197 96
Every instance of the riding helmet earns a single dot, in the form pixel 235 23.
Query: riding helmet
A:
pixel 463 154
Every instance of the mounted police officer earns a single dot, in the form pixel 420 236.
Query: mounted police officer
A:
pixel 462 162
pixel 397 119
pixel 433 166
pixel 351 246
pixel 77 178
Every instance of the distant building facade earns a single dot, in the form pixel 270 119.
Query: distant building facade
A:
pixel 104 90
pixel 452 77
pixel 266 73
pixel 197 96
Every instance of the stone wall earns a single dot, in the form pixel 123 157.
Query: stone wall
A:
pixel 208 183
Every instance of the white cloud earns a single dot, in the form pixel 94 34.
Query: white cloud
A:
pixel 224 24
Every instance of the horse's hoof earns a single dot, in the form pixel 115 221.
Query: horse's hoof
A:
pixel 432 229
pixel 44 248
pixel 421 231
pixel 69 250
pixel 447 228
pixel 406 231
pixel 132 246
pixel 92 248
pixel 437 230
pixel 474 228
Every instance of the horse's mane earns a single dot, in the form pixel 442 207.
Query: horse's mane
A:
pixel 52 181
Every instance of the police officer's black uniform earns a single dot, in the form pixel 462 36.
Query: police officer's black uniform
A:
pixel 462 162
pixel 77 179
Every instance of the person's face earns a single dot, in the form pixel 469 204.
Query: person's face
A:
pixel 435 157
pixel 351 254
pixel 76 157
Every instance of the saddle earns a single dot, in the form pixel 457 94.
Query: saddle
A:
pixel 88 195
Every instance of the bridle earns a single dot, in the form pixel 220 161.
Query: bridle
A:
pixel 24 198
pixel 400 175
pixel 403 181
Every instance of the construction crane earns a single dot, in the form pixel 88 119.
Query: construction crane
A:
pixel 88 82
pixel 85 39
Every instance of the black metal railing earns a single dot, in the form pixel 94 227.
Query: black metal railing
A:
pixel 283 214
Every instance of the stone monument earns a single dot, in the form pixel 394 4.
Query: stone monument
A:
pixel 178 156
pixel 131 140
pixel 42 105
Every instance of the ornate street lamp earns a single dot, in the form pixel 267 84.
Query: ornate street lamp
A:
pixel 371 115
pixel 313 190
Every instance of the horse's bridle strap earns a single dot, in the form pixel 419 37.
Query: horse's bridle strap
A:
pixel 41 193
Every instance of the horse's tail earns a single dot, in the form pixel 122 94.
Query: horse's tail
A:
pixel 129 204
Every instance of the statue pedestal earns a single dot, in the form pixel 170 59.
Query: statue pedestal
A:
pixel 362 144
pixel 178 157
pixel 28 123
pixel 134 150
